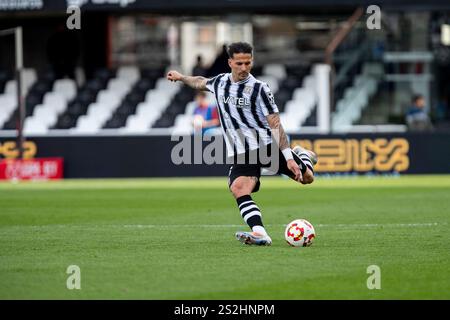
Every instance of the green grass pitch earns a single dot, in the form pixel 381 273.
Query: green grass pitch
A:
pixel 174 239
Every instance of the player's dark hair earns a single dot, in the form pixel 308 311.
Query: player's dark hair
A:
pixel 416 98
pixel 239 47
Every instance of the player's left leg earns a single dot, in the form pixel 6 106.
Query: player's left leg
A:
pixel 243 180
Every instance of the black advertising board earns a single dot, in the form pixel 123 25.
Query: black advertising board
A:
pixel 183 156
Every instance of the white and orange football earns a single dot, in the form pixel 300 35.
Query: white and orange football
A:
pixel 300 233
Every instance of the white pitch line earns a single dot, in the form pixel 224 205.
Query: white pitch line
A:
pixel 169 226
pixel 341 225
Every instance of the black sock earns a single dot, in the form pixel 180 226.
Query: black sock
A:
pixel 249 211
pixel 303 162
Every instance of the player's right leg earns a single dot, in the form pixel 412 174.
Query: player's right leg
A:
pixel 306 159
pixel 298 150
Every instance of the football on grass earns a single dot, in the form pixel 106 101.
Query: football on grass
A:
pixel 300 233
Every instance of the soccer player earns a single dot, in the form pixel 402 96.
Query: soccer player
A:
pixel 250 121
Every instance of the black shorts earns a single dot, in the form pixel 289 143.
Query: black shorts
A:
pixel 243 166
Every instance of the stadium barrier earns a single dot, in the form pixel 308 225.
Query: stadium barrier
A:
pixel 152 156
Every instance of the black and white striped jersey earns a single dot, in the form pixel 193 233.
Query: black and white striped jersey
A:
pixel 243 107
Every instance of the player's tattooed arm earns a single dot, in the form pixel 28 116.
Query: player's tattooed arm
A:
pixel 280 136
pixel 277 130
pixel 195 82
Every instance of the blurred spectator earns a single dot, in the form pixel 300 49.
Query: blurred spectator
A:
pixel 199 68
pixel 206 118
pixel 220 64
pixel 416 118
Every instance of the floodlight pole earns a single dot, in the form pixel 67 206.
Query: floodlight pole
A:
pixel 20 102
pixel 17 32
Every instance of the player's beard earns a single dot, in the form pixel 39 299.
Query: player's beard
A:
pixel 243 75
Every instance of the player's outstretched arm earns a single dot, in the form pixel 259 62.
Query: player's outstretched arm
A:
pixel 198 83
pixel 279 134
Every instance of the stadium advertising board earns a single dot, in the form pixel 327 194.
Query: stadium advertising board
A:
pixel 359 155
pixel 152 156
pixel 31 169
pixel 8 149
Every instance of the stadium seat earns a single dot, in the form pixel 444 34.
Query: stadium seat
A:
pixel 177 105
pixel 134 100
pixel 137 124
pixel 127 108
pixel 282 97
pixel 76 109
pixel 29 77
pixel 4 77
pixel 289 124
pixel 109 97
pixel 309 82
pixel 10 87
pixel 66 121
pixel 103 75
pixel 33 126
pixel 67 87
pixel 152 73
pixel 183 124
pixel 277 71
pixel 115 122
pixel 271 81
pixel 143 85
pixel 164 122
pixel 119 86
pixel 95 85
pixel 44 116
pixel 34 92
pixel 55 101
pixel 190 107
pixel 129 74
pixel 8 103
pixel 306 95
pixel 356 98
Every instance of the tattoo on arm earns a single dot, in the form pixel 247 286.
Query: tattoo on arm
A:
pixel 197 82
pixel 277 130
